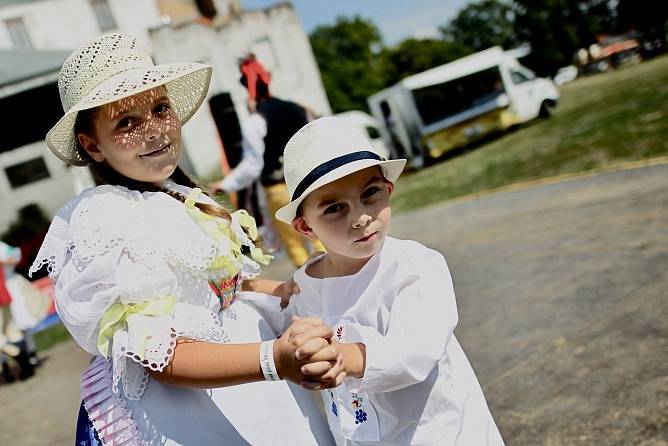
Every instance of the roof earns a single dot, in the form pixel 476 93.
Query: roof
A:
pixel 19 65
pixel 456 69
pixel 14 2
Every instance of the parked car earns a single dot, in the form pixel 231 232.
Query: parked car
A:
pixel 565 74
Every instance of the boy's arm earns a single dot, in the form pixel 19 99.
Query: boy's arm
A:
pixel 277 288
pixel 423 318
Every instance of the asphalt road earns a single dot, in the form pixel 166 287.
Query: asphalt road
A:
pixel 563 314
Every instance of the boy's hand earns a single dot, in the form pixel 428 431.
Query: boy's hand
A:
pixel 285 291
pixel 307 330
pixel 325 367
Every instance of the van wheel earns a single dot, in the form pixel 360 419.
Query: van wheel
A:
pixel 546 109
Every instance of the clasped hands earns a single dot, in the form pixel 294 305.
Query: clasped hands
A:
pixel 307 355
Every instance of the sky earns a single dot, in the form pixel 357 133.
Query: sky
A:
pixel 396 19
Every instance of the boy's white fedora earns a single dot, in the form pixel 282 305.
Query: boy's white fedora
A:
pixel 323 151
pixel 112 67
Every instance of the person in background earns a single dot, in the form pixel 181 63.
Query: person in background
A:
pixel 12 341
pixel 271 124
pixel 29 306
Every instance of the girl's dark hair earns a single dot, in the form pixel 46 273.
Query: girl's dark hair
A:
pixel 103 173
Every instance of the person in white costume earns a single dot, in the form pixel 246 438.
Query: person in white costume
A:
pixel 147 270
pixel 390 302
pixel 29 306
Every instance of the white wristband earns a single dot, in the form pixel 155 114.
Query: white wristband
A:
pixel 267 363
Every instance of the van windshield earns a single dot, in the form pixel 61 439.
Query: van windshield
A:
pixel 440 101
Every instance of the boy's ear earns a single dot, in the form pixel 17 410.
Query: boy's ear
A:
pixel 300 225
pixel 90 146
pixel 390 186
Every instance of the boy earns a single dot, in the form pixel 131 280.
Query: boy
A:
pixel 390 302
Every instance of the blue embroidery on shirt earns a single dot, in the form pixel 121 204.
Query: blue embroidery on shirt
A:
pixel 358 405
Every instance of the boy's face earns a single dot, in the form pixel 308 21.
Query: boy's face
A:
pixel 350 216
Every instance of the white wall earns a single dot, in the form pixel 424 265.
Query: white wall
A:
pixel 280 43
pixel 50 193
pixel 66 24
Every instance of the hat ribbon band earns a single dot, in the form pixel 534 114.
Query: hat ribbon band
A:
pixel 329 166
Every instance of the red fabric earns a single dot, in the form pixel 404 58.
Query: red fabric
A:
pixel 253 70
pixel 5 298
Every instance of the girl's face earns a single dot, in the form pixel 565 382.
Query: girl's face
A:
pixel 138 136
pixel 350 216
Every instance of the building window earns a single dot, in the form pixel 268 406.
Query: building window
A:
pixel 27 172
pixel 103 14
pixel 18 33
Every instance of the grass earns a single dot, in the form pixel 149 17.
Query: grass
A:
pixel 51 336
pixel 612 117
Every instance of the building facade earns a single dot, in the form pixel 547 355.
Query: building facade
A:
pixel 36 36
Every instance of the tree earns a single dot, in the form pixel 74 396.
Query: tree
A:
pixel 556 29
pixel 483 25
pixel 646 16
pixel 415 55
pixel 348 56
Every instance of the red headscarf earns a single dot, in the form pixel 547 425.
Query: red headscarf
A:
pixel 253 72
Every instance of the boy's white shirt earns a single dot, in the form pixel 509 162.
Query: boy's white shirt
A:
pixel 418 381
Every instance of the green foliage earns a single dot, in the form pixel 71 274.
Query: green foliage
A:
pixel 348 56
pixel 51 336
pixel 416 55
pixel 647 16
pixel 556 29
pixel 354 62
pixel 483 25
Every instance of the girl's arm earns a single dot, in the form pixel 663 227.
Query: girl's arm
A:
pixel 206 365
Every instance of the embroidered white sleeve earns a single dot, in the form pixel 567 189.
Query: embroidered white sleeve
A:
pixel 102 249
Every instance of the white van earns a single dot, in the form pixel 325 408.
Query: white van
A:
pixel 449 106
pixel 369 126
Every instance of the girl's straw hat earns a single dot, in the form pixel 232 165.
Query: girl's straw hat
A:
pixel 323 151
pixel 112 67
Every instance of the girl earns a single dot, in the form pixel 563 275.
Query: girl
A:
pixel 147 270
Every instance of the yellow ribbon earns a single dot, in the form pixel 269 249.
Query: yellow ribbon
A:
pixel 116 317
pixel 219 229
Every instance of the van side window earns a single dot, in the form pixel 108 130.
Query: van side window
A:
pixel 372 132
pixel 518 77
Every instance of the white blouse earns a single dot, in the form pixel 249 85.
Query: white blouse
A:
pixel 133 272
pixel 110 244
pixel 418 386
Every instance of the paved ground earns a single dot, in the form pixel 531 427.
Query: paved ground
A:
pixel 563 314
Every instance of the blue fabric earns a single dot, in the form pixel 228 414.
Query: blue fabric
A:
pixel 86 435
pixel 330 165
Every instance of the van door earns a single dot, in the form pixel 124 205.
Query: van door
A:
pixel 526 100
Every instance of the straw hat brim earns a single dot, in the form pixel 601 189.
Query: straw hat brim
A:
pixel 391 171
pixel 187 85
